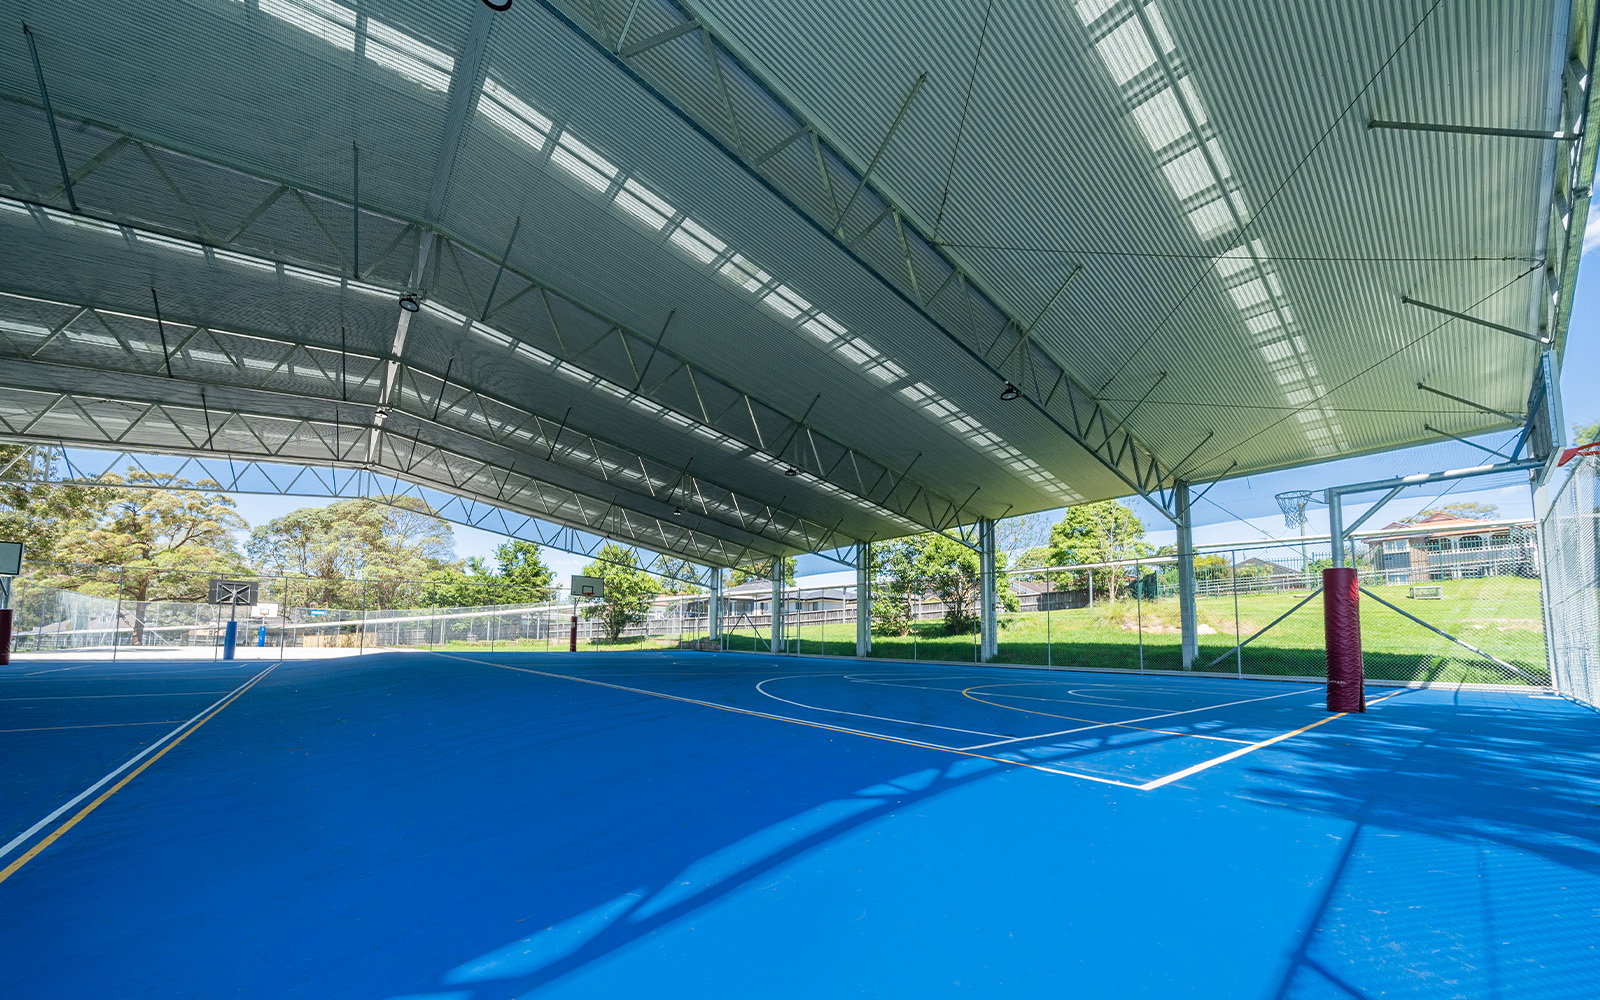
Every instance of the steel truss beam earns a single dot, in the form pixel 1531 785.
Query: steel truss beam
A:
pixel 841 467
pixel 58 464
pixel 162 415
pixel 1047 384
pixel 245 360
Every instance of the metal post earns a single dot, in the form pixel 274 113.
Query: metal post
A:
pixel 361 633
pixel 988 640
pixel 714 607
pixel 116 623
pixel 1336 526
pixel 1138 612
pixel 283 617
pixel 1049 600
pixel 1238 646
pixel 1186 609
pixel 494 619
pixel 864 599
pixel 777 603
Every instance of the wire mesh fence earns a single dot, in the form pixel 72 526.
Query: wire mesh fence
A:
pixel 1571 548
pixel 1457 606
pixel 102 616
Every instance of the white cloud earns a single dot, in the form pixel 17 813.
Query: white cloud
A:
pixel 1591 234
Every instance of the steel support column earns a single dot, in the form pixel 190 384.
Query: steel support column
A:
pixel 1336 526
pixel 864 599
pixel 714 608
pixel 989 641
pixel 1186 610
pixel 777 604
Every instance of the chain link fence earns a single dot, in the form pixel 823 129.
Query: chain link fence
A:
pixel 104 616
pixel 1571 547
pixel 1457 606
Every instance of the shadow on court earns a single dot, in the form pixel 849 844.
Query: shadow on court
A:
pixel 429 827
pixel 1473 868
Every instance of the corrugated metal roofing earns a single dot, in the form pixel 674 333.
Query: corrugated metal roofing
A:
pixel 1167 222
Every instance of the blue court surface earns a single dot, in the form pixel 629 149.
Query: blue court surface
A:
pixel 467 827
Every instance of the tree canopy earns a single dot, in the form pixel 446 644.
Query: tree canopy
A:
pixel 741 574
pixel 628 591
pixel 1098 533
pixel 390 544
pixel 1466 509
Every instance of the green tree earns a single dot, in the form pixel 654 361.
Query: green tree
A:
pixel 1585 433
pixel 166 538
pixel 761 571
pixel 896 584
pixel 388 544
pixel 1098 533
pixel 678 576
pixel 628 591
pixel 1466 509
pixel 41 514
pixel 523 577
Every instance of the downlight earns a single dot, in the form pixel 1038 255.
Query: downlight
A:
pixel 409 303
pixel 1009 392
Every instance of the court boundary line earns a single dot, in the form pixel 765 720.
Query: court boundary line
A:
pixel 1147 786
pixel 92 725
pixel 1252 748
pixel 1146 718
pixel 861 715
pixel 166 743
pixel 967 693
pixel 799 722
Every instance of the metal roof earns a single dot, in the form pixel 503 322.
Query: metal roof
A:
pixel 735 280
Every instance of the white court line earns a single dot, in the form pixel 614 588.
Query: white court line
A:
pixel 861 715
pixel 56 670
pixel 960 751
pixel 85 697
pixel 22 837
pixel 1147 718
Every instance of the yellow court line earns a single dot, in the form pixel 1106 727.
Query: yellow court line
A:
pixel 1180 775
pixel 98 725
pixel 1073 718
pixel 798 722
pixel 33 851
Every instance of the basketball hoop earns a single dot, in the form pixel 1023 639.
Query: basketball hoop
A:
pixel 1294 504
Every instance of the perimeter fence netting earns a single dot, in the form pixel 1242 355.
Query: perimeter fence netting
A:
pixel 1568 538
pixel 1440 607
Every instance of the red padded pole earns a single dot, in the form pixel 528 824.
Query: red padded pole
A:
pixel 1341 604
pixel 574 646
pixel 5 636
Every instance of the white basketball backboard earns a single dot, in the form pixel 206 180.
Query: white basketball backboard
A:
pixel 587 586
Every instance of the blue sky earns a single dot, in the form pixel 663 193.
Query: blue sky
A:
pixel 1243 509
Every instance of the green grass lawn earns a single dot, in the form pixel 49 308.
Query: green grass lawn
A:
pixel 1499 615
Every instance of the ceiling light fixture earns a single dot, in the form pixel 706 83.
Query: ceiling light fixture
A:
pixel 677 512
pixel 791 471
pixel 409 303
pixel 1010 392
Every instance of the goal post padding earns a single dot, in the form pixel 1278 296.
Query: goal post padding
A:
pixel 1341 596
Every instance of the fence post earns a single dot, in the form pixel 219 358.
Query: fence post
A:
pixel 1238 648
pixel 361 630
pixel 283 618
pixel 1138 611
pixel 116 622
pixel 1049 609
pixel 1186 588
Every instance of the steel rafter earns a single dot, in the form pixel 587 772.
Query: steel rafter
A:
pixel 316 433
pixel 58 464
pixel 1060 397
pixel 334 265
pixel 427 396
